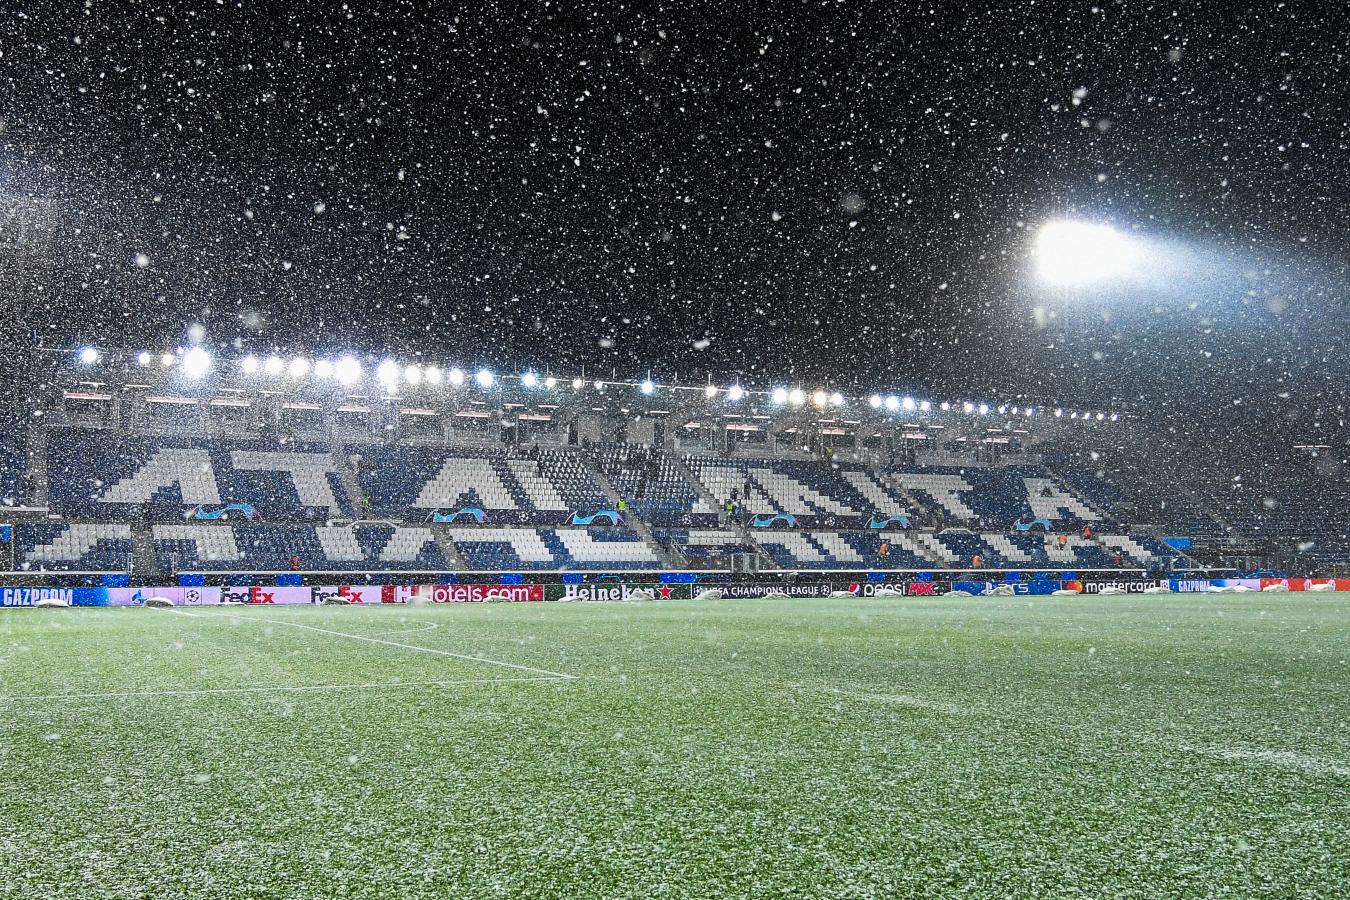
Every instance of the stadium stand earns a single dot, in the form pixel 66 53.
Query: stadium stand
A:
pixel 79 546
pixel 13 454
pixel 654 487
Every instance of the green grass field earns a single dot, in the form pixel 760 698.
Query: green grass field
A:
pixel 1098 747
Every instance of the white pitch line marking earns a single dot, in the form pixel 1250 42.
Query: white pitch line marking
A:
pixel 425 626
pixel 938 706
pixel 413 647
pixel 208 692
pixel 1285 759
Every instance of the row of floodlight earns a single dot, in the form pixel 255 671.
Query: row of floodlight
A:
pixel 195 362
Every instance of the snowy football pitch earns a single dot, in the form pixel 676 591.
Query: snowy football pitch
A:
pixel 1111 746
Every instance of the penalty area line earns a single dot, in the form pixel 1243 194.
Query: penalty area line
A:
pixel 293 688
pixel 412 647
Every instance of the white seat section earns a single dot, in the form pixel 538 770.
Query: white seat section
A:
pixel 1059 500
pixel 944 489
pixel 542 492
pixel 875 492
pixel 584 548
pixel 1005 548
pixel 796 545
pixel 934 549
pixel 713 538
pixel 1128 546
pixel 722 478
pixel 405 544
pixel 73 542
pixel 901 540
pixel 459 475
pixel 339 544
pixel 189 469
pixel 308 471
pixel 213 543
pixel 796 498
pixel 525 542
pixel 836 546
pixel 1064 554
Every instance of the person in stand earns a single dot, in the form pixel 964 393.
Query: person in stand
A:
pixel 365 506
pixel 295 563
pixel 977 561
pixel 1063 540
pixel 1087 532
pixel 1118 559
pixel 622 506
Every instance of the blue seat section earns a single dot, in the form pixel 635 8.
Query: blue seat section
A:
pixel 997 496
pixel 654 487
pixel 812 491
pixel 968 546
pixel 868 545
pixel 95 473
pixel 77 547
pixel 704 544
pixel 572 480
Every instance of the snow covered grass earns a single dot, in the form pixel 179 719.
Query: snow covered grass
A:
pixel 1114 746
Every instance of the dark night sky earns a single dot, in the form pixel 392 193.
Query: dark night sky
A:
pixel 828 190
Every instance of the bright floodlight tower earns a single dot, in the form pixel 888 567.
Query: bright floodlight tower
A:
pixel 1078 253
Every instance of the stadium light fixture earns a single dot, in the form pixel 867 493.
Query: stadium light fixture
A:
pixel 577 384
pixel 387 373
pixel 647 387
pixel 983 409
pixel 1059 413
pixel 1115 417
pixel 892 403
pixel 836 399
pixel 1070 253
pixel 735 393
pixel 456 376
pixel 967 407
pixel 299 367
pixel 710 391
pixel 412 374
pixel 796 396
pixel 274 365
pixel 249 364
pixel 1073 414
pixel 323 369
pixel 945 407
pixel 874 401
pixel 550 382
pixel 1003 409
pixel 819 399
pixel 1030 411
pixel 780 396
pixel 599 385
pixel 167 359
pixel 529 380
pixel 143 358
pixel 484 379
pixel 907 404
pixel 925 406
pixel 434 375
pixel 88 356
pixel 196 363
pixel 347 371
pixel 1101 417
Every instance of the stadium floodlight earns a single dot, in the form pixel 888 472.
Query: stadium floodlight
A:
pixel 820 398
pixel 323 369
pixel 892 403
pixel 1059 413
pixel 836 399
pixel 88 356
pixel 484 378
pixel 647 387
pixel 550 382
pixel 945 406
pixel 796 396
pixel 577 384
pixel 1030 411
pixel 967 407
pixel 925 406
pixel 907 404
pixel 1115 417
pixel 167 359
pixel 347 371
pixel 249 364
pixel 387 373
pixel 1003 409
pixel 735 393
pixel 1081 252
pixel 710 391
pixel 434 375
pixel 196 363
pixel 274 365
pixel 779 396
pixel 1101 416
pixel 299 367
pixel 456 376
pixel 599 385
pixel 412 374
pixel 874 401
pixel 1073 414
pixel 529 380
pixel 983 409
pixel 143 358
